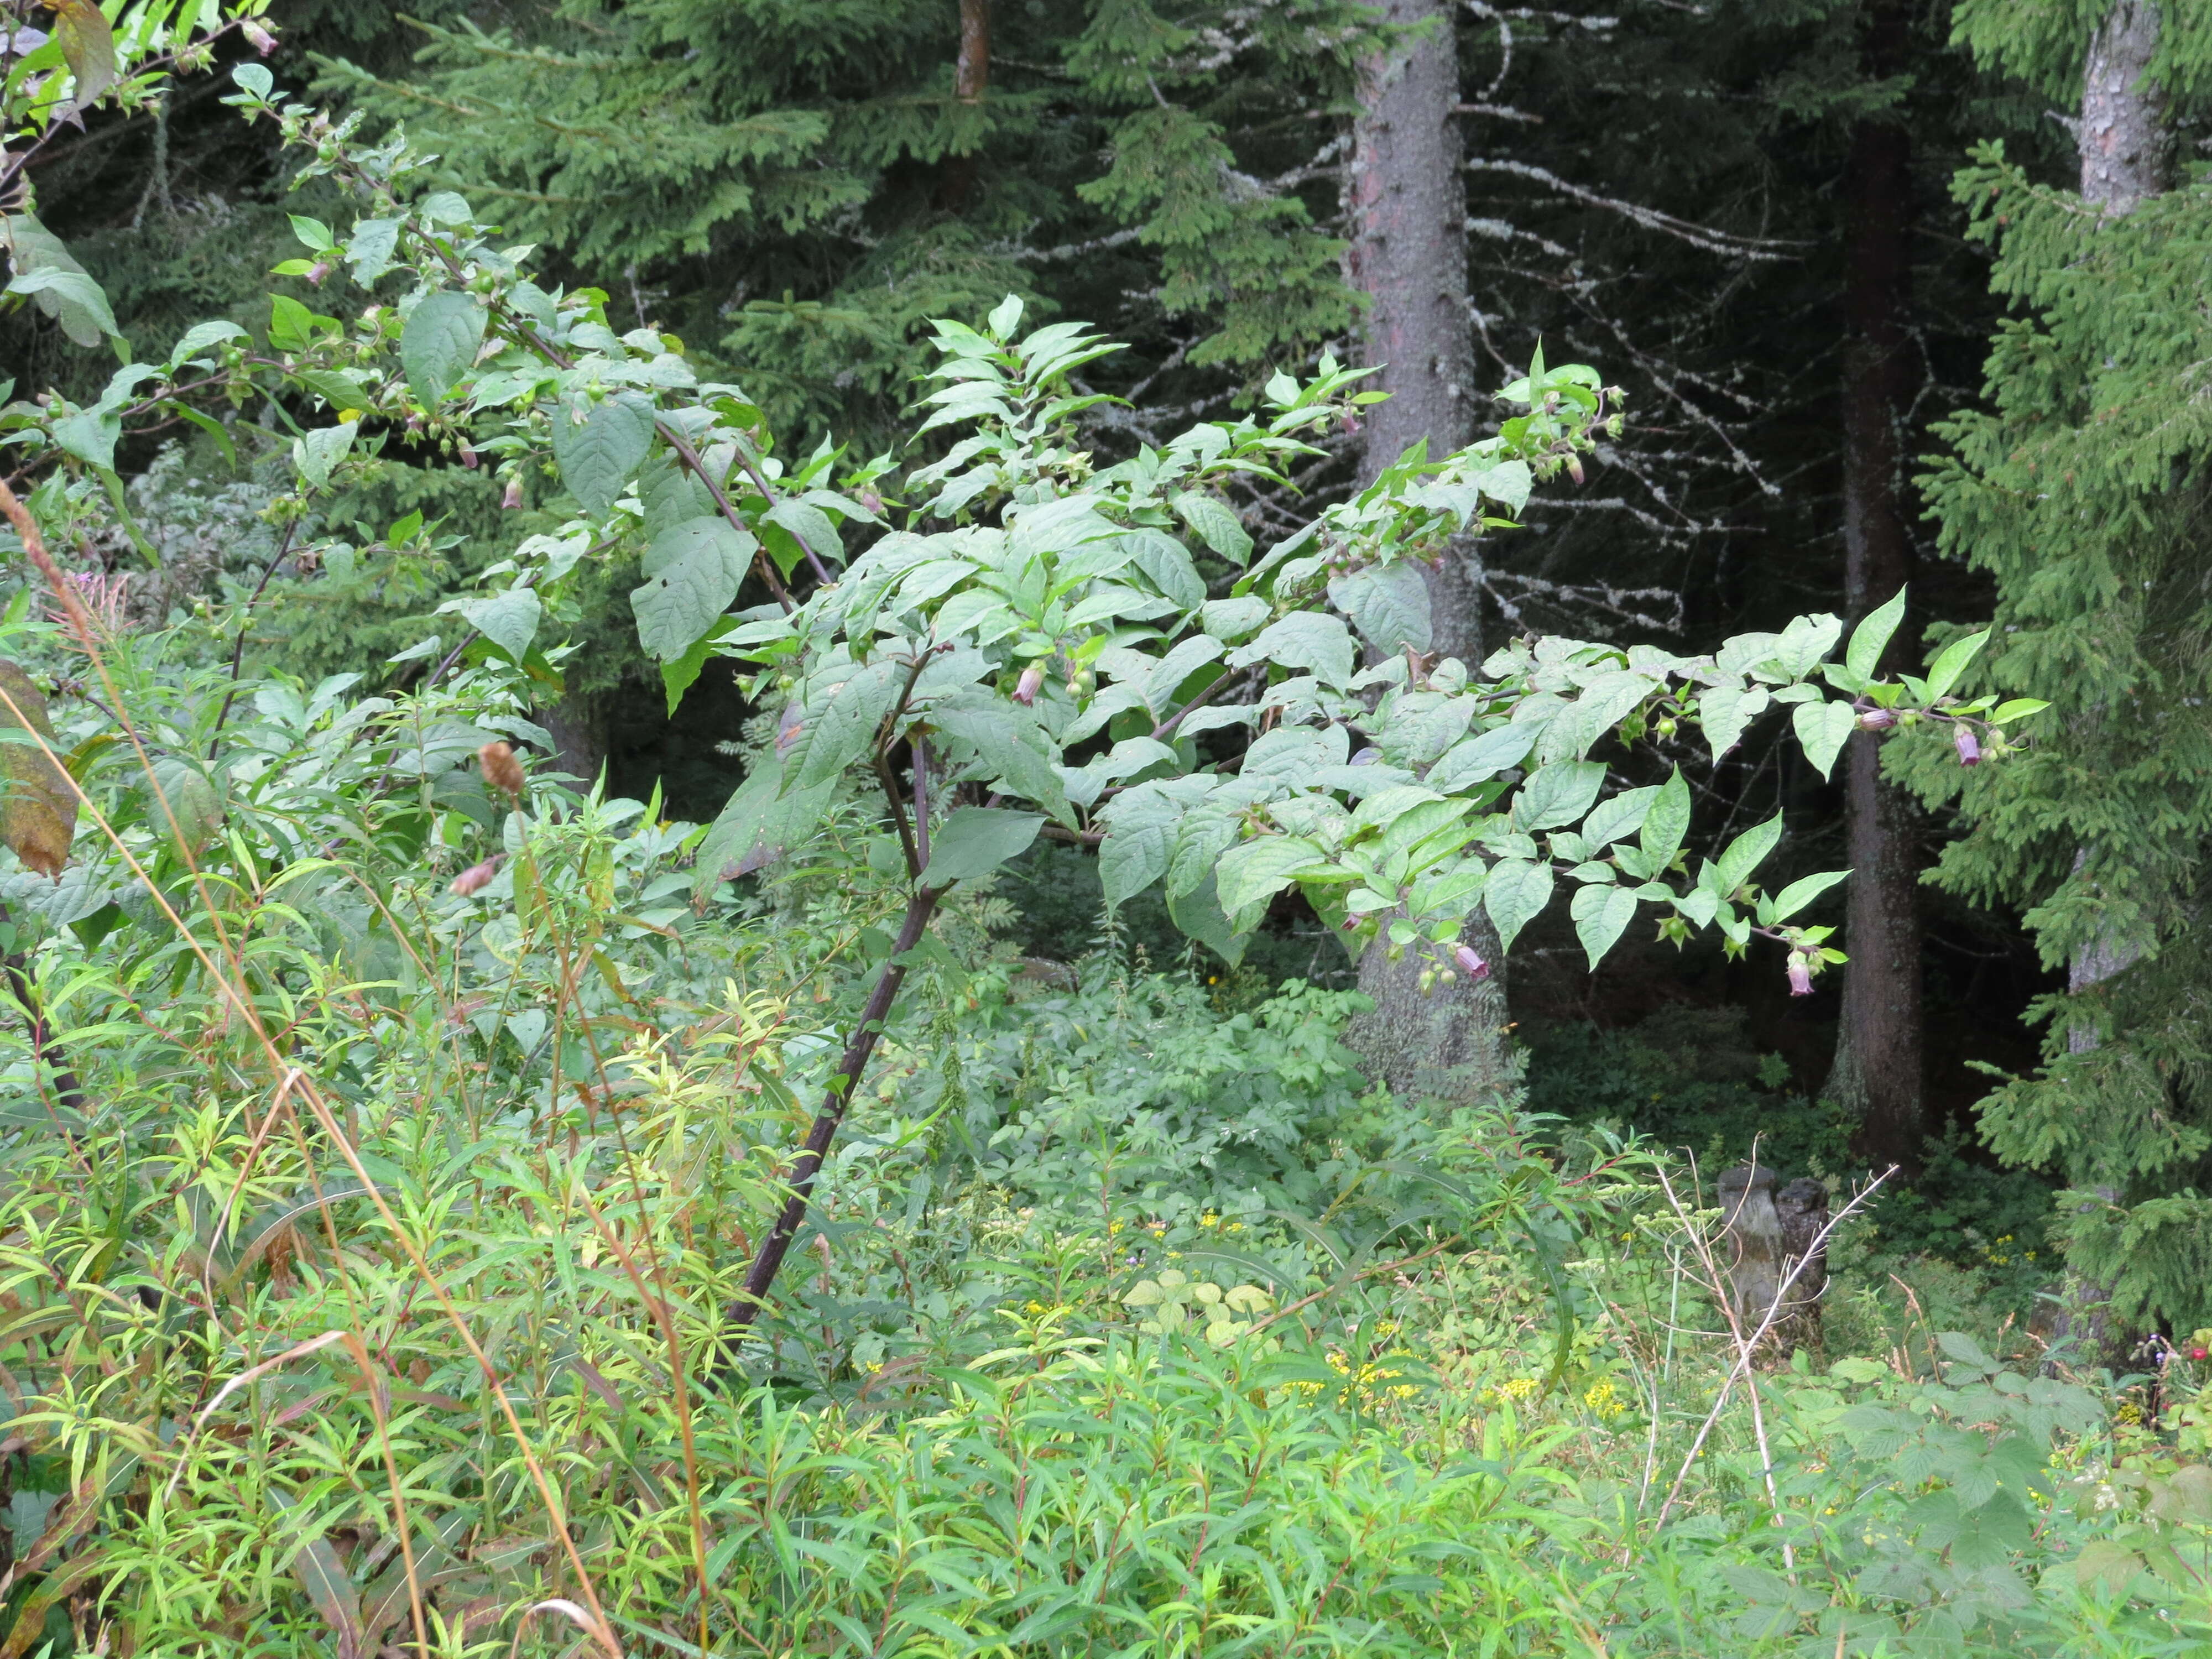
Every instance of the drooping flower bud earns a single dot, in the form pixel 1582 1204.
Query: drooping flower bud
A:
pixel 1801 976
pixel 468 455
pixel 1032 681
pixel 257 36
pixel 1470 963
pixel 501 770
pixel 872 501
pixel 317 272
pixel 1969 747
pixel 1877 720
pixel 513 499
pixel 475 878
pixel 1575 468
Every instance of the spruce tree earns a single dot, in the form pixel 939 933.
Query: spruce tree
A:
pixel 2081 486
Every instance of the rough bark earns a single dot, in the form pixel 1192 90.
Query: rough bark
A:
pixel 1877 1074
pixel 1407 205
pixel 2126 136
pixel 1802 1206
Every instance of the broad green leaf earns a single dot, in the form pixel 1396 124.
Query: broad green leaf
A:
pixel 1255 870
pixel 1799 893
pixel 200 336
pixel 1805 642
pixel 1162 558
pixel 1667 822
pixel 345 394
pixel 183 799
pixel 439 342
pixel 760 824
pixel 1216 525
pixel 1943 673
pixel 1141 826
pixel 1481 757
pixel 315 453
pixel 1872 636
pixel 38 809
pixel 291 325
pixel 1618 817
pixel 508 620
pixel 1304 639
pixel 2018 709
pixel 1515 893
pixel 1724 710
pixel 88 43
pixel 71 299
pixel 1601 914
pixel 1233 619
pixel 369 251
pixel 692 573
pixel 843 728
pixel 977 839
pixel 1746 852
pixel 1557 794
pixel 1198 914
pixel 90 435
pixel 1387 603
pixel 597 454
pixel 1822 730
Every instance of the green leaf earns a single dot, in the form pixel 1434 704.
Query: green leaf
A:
pixel 977 839
pixel 313 233
pixel 1667 822
pixel 1216 525
pixel 597 454
pixel 1799 893
pixel 71 299
pixel 1724 710
pixel 88 43
pixel 368 252
pixel 1304 639
pixel 1822 730
pixel 760 824
pixel 1557 794
pixel 1871 637
pixel 291 325
pixel 90 435
pixel 1141 827
pixel 1943 673
pixel 692 573
pixel 2018 709
pixel 1601 914
pixel 1480 758
pixel 1746 852
pixel 508 620
pixel 1618 817
pixel 345 394
pixel 439 342
pixel 1516 891
pixel 1198 913
pixel 678 677
pixel 38 808
pixel 1163 558
pixel 1389 604
pixel 200 336
pixel 315 453
pixel 1255 870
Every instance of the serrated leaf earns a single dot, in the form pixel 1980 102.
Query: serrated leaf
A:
pixel 692 573
pixel 599 454
pixel 977 839
pixel 1872 636
pixel 1515 893
pixel 1388 605
pixel 1822 728
pixel 1601 914
pixel 38 809
pixel 439 342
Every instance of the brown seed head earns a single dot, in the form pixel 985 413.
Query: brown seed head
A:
pixel 501 771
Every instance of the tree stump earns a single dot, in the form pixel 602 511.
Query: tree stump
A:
pixel 1803 1208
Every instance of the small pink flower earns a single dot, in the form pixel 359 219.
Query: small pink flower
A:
pixel 1470 964
pixel 475 878
pixel 513 498
pixel 468 455
pixel 261 39
pixel 1801 976
pixel 1969 747
pixel 1877 720
pixel 1575 468
pixel 1032 681
pixel 317 272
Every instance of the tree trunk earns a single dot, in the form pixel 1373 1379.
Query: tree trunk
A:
pixel 972 79
pixel 2127 147
pixel 578 726
pixel 1877 1075
pixel 1407 206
